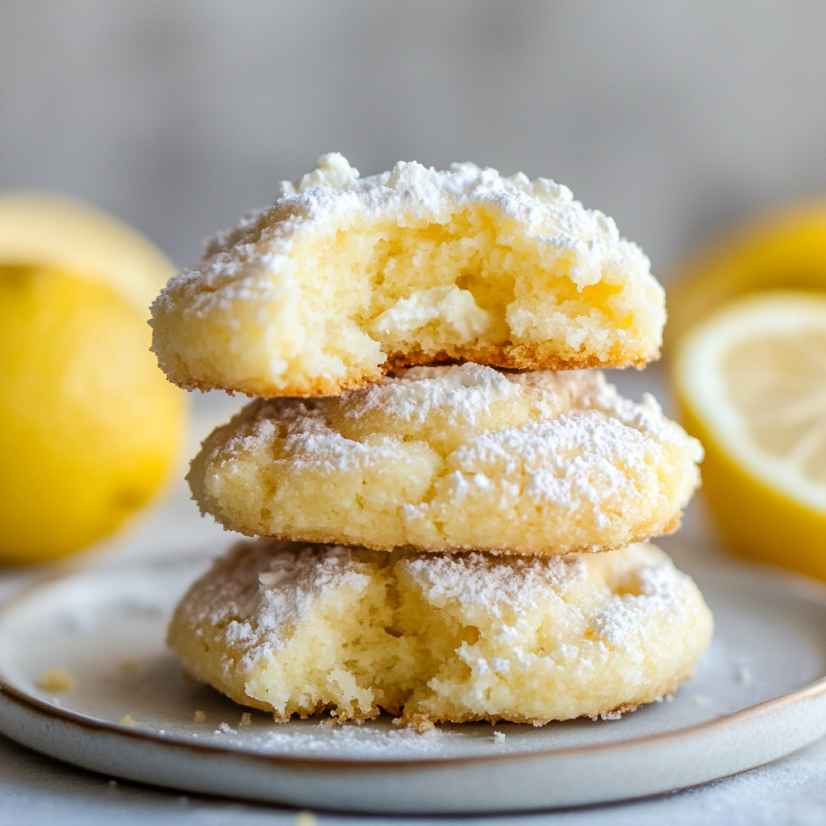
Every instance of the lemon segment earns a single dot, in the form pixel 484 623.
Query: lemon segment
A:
pixel 751 384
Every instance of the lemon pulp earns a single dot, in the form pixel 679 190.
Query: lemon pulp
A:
pixel 779 385
pixel 751 383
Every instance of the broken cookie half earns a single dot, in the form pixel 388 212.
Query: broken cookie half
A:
pixel 344 278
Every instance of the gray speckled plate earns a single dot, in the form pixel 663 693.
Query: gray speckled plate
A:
pixel 760 693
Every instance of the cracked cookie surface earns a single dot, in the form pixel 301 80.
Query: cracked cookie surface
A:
pixel 300 630
pixel 448 458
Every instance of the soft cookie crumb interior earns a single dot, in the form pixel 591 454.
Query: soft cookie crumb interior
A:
pixel 472 279
pixel 377 293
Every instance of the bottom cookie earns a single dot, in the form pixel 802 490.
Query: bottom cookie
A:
pixel 306 629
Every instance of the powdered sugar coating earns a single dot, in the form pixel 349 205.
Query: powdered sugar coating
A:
pixel 496 584
pixel 260 591
pixel 433 636
pixel 242 318
pixel 654 592
pixel 274 592
pixel 453 457
pixel 461 392
pixel 410 192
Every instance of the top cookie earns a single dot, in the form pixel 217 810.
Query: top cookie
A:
pixel 344 278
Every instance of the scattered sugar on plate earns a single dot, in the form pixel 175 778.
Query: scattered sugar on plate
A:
pixel 363 740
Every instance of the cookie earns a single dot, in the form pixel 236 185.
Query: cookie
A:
pixel 344 278
pixel 302 630
pixel 447 458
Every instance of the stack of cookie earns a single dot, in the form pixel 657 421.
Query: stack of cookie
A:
pixel 440 543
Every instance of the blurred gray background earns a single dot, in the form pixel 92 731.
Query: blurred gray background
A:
pixel 677 118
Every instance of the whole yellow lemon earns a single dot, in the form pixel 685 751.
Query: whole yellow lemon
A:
pixel 89 428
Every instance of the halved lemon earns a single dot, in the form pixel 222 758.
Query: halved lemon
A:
pixel 751 384
pixel 783 250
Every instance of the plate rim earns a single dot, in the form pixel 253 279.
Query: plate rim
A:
pixel 805 587
pixel 37 706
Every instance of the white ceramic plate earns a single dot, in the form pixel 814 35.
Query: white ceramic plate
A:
pixel 760 693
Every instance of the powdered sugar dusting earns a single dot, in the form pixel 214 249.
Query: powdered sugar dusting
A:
pixel 578 443
pixel 239 263
pixel 577 457
pixel 462 391
pixel 476 579
pixel 304 436
pixel 261 590
pixel 654 590
pixel 367 741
